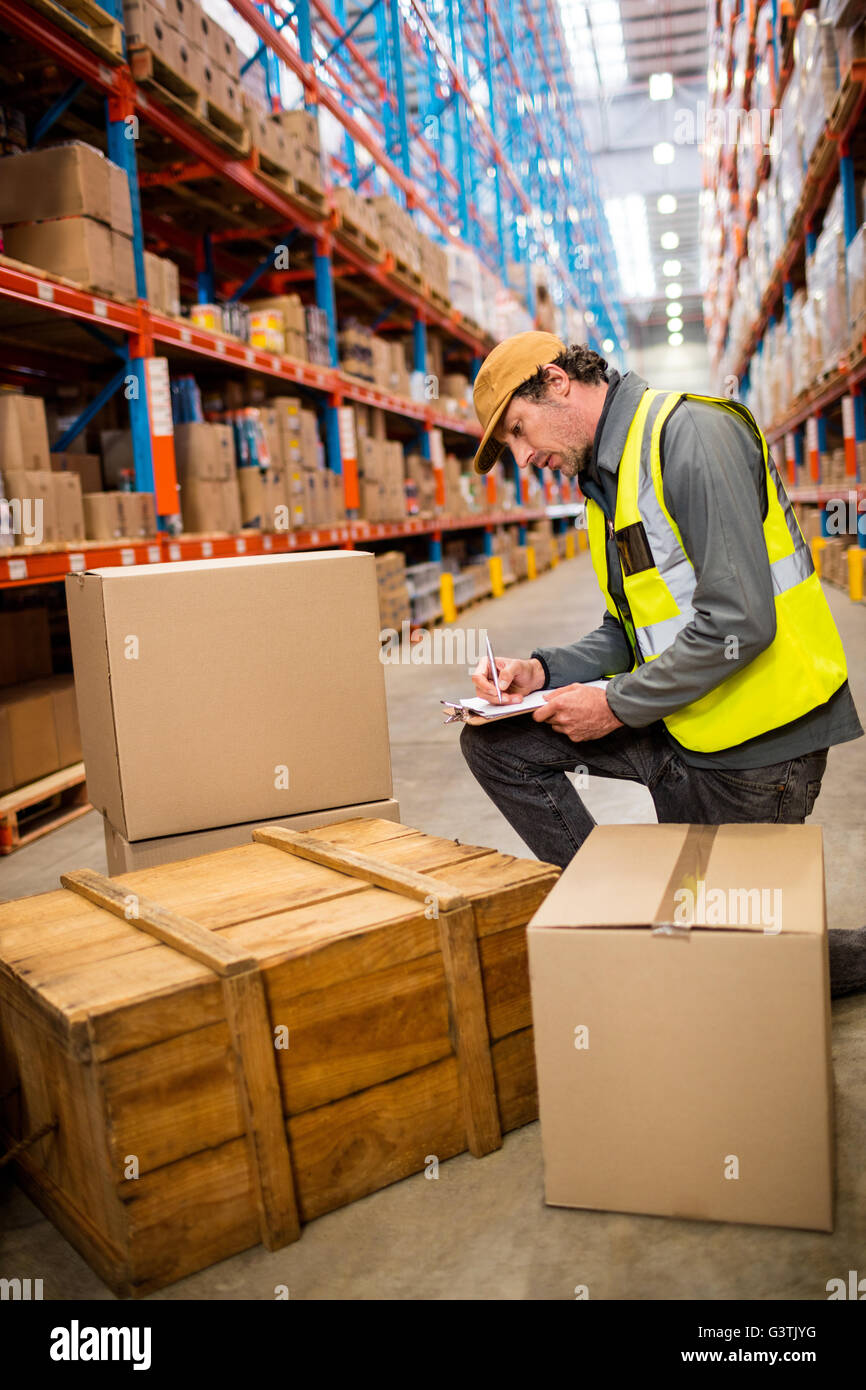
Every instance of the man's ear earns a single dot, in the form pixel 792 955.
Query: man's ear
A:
pixel 557 380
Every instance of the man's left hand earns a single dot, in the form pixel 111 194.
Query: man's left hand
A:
pixel 580 712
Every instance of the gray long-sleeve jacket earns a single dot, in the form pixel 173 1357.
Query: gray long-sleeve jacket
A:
pixel 714 487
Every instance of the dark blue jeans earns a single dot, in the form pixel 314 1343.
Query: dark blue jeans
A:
pixel 522 765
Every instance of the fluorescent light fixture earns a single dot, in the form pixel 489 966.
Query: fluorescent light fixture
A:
pixel 673 290
pixel 667 204
pixel 671 268
pixel 674 310
pixel 663 152
pixel 669 241
pixel 608 344
pixel 675 325
pixel 676 340
pixel 627 219
pixel 661 86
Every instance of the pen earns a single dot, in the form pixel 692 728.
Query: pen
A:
pixel 490 658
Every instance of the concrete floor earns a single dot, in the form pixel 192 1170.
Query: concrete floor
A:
pixel 482 1230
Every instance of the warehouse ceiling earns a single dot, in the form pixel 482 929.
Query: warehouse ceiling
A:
pixel 616 49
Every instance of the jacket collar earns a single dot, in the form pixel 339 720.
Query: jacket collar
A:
pixel 615 422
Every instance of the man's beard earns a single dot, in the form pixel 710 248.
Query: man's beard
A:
pixel 574 461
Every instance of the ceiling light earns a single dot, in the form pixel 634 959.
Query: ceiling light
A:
pixel 629 232
pixel 674 325
pixel 661 86
pixel 674 309
pixel 663 153
pixel 671 268
pixel 667 203
pixel 588 316
pixel 669 241
pixel 675 340
pixel 673 290
pixel 608 344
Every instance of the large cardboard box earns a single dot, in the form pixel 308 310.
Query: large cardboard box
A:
pixel 28 740
pixel 149 27
pixel 680 993
pixel 103 516
pixel 78 248
pixel 119 199
pixel 88 467
pixel 23 433
pixel 124 856
pixel 68 506
pixel 230 708
pixel 60 181
pixel 138 510
pixel 25 645
pixel 33 514
pixel 123 284
pixel 204 450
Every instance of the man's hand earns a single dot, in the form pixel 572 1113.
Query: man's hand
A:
pixel 517 678
pixel 580 712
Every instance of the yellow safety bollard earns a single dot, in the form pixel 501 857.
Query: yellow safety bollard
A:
pixel 856 561
pixel 446 594
pixel 569 545
pixel 530 562
pixel 554 553
pixel 497 584
pixel 818 543
pixel 582 540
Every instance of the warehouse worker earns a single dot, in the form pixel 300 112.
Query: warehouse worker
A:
pixel 728 678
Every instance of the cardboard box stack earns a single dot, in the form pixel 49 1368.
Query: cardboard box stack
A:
pixel 219 728
pixel 665 1087
pixel 433 262
pixel 193 47
pixel 163 284
pixel 38 720
pixel 381 479
pixel 119 515
pixel 399 233
pixel 45 504
pixel 206 471
pixel 420 486
pixel 66 209
pixel 301 131
pixel 358 215
pixel 424 584
pixel 540 536
pixel 394 603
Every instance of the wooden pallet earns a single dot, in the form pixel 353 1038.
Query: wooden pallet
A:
pixel 228 125
pixel 401 271
pixel 173 90
pixel 90 24
pixel 311 199
pixel 34 810
pixel 441 301
pixel 360 240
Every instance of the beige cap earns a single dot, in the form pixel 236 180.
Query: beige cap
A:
pixel 511 362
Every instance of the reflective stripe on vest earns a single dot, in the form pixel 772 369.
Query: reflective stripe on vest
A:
pixel 803 665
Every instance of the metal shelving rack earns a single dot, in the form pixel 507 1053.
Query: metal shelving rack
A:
pixel 468 118
pixel 804 429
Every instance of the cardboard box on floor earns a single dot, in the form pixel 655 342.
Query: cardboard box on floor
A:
pixel 124 855
pixel 685 1070
pixel 231 709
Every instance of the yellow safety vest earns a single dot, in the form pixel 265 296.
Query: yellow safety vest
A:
pixel 805 662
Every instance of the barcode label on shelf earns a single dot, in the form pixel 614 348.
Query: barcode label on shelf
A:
pixel 240 545
pixel 76 564
pixel 292 541
pixel 207 549
pixel 100 308
pixel 220 347
pixel 812 434
pixel 848 417
pixel 17 569
pixel 267 542
pixel 314 537
pixel 174 551
pixel 185 335
pixel 45 292
pixel 154 554
pixel 127 557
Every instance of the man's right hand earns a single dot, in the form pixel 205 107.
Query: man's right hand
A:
pixel 516 679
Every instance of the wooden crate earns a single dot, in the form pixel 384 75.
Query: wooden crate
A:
pixel 201 1056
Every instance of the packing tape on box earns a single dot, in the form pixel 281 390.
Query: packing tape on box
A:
pixel 690 868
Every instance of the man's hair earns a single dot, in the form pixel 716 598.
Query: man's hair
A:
pixel 579 362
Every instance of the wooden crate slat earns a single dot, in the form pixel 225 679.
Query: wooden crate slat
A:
pixel 469 1030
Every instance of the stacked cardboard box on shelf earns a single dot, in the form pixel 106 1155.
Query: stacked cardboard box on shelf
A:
pixel 38 719
pixel 45 503
pixel 433 264
pixel 394 604
pixel 278 325
pixel 301 131
pixel 207 474
pixel 219 728
pixel 399 233
pixel 425 594
pixel 66 209
pixel 163 284
pixel 381 479
pixel 420 486
pixel 358 213
pixel 119 515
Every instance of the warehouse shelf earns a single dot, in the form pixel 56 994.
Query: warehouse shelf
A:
pixel 49 564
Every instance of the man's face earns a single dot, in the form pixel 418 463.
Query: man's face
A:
pixel 556 432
